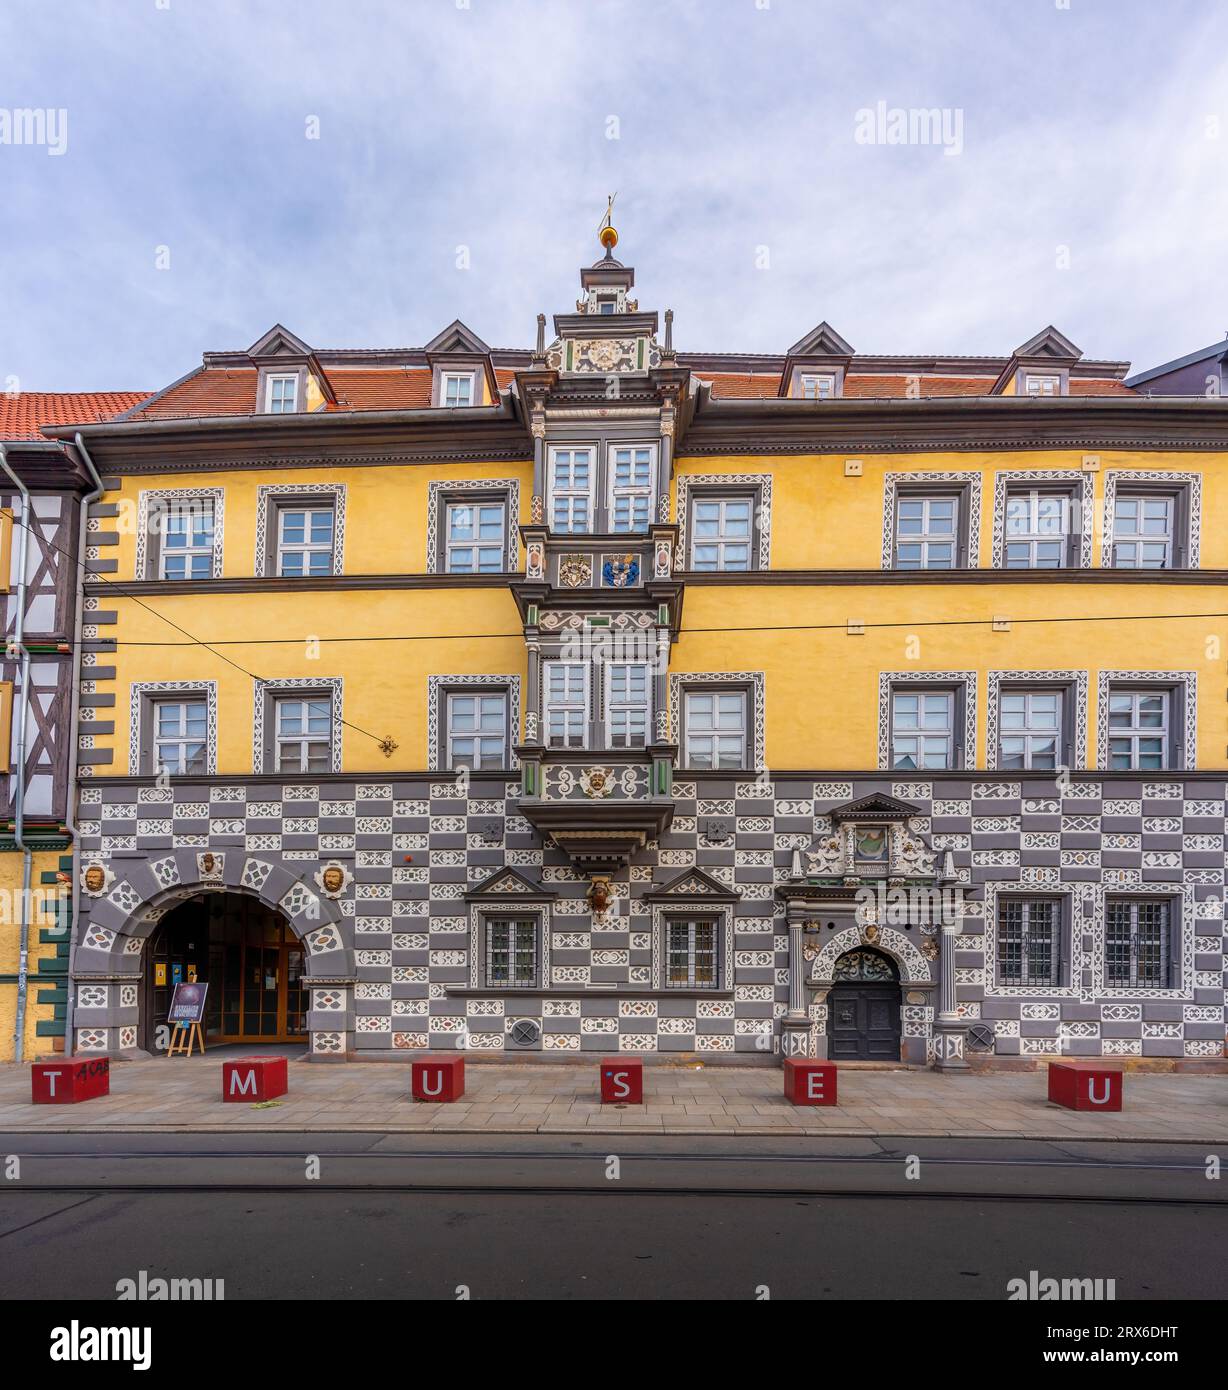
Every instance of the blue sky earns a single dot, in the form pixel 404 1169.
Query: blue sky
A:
pixel 1091 189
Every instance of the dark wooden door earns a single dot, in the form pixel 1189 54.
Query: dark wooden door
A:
pixel 863 1023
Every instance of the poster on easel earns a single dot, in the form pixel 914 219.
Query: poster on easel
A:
pixel 186 1017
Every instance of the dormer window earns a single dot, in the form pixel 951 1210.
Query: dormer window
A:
pixel 818 386
pixel 607 305
pixel 281 396
pixel 1042 384
pixel 457 389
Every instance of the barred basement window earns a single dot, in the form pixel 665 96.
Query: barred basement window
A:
pixel 690 953
pixel 511 952
pixel 1137 942
pixel 1029 941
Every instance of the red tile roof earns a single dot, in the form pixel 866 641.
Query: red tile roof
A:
pixel 22 416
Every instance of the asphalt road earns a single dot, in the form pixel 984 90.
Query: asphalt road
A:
pixel 429 1216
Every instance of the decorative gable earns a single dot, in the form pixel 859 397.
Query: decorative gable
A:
pixel 877 806
pixel 691 885
pixel 508 883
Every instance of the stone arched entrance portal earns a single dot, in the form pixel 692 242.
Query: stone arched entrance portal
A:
pixel 124 904
pixel 914 961
pixel 863 1008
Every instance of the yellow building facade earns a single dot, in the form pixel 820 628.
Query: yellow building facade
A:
pixel 601 696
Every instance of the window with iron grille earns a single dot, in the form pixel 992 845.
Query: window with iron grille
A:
pixel 628 704
pixel 181 732
pixel 631 486
pixel 571 490
pixel 304 541
pixel 927 532
pixel 511 952
pixel 1138 942
pixel 304 733
pixel 187 540
pixel 477 729
pixel 1029 940
pixel 691 953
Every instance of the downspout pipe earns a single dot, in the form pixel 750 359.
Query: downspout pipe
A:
pixel 17 647
pixel 70 794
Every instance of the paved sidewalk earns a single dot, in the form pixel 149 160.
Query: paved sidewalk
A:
pixel 184 1095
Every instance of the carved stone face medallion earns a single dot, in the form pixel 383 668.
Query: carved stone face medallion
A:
pixel 333 879
pixel 94 878
pixel 597 781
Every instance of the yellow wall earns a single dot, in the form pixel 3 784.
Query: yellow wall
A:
pixel 823 520
pixel 10 887
pixel 822 686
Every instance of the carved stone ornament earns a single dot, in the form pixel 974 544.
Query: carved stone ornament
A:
pixel 575 571
pixel 826 859
pixel 869 933
pixel 96 879
pixel 914 858
pixel 929 948
pixel 535 560
pixel 597 782
pixel 210 865
pixel 600 894
pixel 664 563
pixel 333 878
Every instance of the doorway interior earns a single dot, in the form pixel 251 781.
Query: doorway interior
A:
pixel 248 955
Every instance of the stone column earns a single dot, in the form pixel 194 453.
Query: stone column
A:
pixel 795 1026
pixel 949 1028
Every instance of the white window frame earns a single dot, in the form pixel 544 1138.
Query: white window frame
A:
pixel 571 493
pixel 451 735
pixel 304 741
pixel 1033 536
pixel 632 490
pixel 714 732
pixel 445 378
pixel 625 705
pixel 1042 384
pixel 306 547
pixel 1027 732
pixel 583 704
pixel 920 733
pixel 179 741
pixel 273 380
pixel 823 384
pixel 187 507
pixel 1140 538
pixel 476 545
pixel 1136 732
pixel 925 538
pixel 722 540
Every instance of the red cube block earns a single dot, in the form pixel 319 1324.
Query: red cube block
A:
pixel 254 1078
pixel 1086 1085
pixel 622 1081
pixel 65 1083
pixel 809 1081
pixel 437 1078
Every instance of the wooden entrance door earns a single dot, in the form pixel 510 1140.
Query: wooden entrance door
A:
pixel 253 963
pixel 863 1008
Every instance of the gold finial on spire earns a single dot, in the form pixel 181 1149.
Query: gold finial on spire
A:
pixel 606 233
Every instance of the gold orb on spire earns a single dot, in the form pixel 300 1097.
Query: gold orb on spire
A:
pixel 607 234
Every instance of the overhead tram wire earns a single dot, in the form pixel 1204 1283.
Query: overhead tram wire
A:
pixel 192 641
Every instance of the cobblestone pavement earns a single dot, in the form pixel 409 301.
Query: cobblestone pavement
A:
pixel 185 1095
